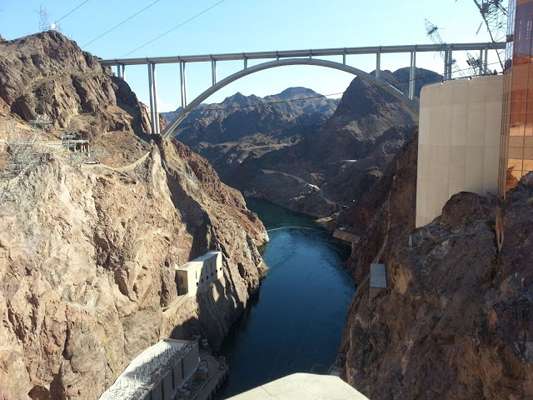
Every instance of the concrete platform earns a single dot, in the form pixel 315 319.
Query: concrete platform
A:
pixel 303 386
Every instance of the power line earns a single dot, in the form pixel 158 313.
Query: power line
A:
pixel 71 11
pixel 121 23
pixel 190 19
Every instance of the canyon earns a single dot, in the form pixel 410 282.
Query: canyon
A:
pixel 299 149
pixel 88 250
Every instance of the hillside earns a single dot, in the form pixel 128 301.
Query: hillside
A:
pixel 88 251
pixel 243 127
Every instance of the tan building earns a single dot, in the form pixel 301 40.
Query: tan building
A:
pixel 197 275
pixel 477 135
pixel 459 142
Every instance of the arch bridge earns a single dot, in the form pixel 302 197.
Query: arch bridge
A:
pixel 293 57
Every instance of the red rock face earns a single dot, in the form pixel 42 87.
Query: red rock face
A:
pixel 455 321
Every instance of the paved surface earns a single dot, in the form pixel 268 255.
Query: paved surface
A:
pixel 303 386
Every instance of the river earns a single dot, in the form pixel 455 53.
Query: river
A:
pixel 296 320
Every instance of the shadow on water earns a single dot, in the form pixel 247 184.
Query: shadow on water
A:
pixel 295 322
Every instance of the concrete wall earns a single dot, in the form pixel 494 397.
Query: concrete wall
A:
pixel 459 142
pixel 191 361
pixel 197 275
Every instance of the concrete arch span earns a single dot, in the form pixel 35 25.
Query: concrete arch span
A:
pixel 168 133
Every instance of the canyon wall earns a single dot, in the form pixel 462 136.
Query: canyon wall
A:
pixel 87 251
pixel 455 319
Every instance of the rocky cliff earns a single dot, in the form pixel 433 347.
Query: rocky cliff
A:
pixel 455 320
pixel 87 251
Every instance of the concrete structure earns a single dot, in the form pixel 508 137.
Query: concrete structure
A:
pixel 73 142
pixel 303 386
pixel 197 275
pixel 283 58
pixel 378 276
pixel 459 142
pixel 158 373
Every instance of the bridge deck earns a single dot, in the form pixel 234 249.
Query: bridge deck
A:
pixel 306 53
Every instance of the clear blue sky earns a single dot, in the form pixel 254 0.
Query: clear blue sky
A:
pixel 248 25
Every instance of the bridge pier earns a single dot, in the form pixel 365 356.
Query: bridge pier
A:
pixel 378 66
pixel 213 72
pixel 183 87
pixel 448 62
pixel 486 62
pixel 152 89
pixel 412 76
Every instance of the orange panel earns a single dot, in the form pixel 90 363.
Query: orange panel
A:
pixel 519 125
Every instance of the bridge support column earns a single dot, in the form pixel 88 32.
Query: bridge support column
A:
pixel 378 65
pixel 245 63
pixel 183 88
pixel 152 89
pixel 121 71
pixel 486 62
pixel 448 62
pixel 213 72
pixel 412 76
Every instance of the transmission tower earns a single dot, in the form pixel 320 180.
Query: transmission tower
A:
pixel 433 32
pixel 494 17
pixel 43 19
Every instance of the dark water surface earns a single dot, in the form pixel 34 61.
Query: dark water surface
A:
pixel 296 321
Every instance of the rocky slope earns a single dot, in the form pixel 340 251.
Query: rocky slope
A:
pixel 87 252
pixel 47 74
pixel 243 127
pixel 455 321
pixel 383 213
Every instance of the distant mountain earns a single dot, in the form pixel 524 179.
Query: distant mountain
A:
pixel 242 126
